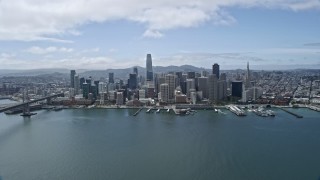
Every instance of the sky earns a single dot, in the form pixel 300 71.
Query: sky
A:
pixel 106 34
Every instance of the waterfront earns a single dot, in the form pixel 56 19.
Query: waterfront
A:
pixel 113 144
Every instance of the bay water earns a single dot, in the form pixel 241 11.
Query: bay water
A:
pixel 113 144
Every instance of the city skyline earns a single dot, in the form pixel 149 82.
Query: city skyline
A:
pixel 105 34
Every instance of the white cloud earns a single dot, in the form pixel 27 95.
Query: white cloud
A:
pixel 152 33
pixel 30 20
pixel 85 62
pixel 48 50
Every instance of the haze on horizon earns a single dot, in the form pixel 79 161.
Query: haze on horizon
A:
pixel 99 34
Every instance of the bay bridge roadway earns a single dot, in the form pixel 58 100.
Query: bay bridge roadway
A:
pixel 26 104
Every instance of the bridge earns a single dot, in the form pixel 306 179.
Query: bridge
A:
pixel 26 104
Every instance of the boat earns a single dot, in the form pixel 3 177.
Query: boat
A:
pixel 270 113
pixel 262 112
pixel 168 110
pixel 216 110
pixel 158 111
pixel 148 110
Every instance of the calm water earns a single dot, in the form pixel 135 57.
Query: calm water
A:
pixel 111 144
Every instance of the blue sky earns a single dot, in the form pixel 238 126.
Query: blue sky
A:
pixel 102 34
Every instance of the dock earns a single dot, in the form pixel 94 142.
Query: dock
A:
pixel 315 108
pixel 237 111
pixel 296 115
pixel 136 113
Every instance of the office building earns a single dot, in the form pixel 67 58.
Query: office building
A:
pixel 164 92
pixel 190 85
pixel 76 84
pixel 236 89
pixel 216 70
pixel 149 69
pixel 72 74
pixel 120 98
pixel 170 80
pixel 132 81
pixel 111 77
pixel 203 86
pixel 85 90
pixel 213 88
pixel 135 71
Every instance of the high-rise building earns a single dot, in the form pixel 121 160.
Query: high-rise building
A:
pixel 135 70
pixel 213 88
pixel 111 77
pixel 216 70
pixel 149 70
pixel 203 86
pixel 72 74
pixel 120 98
pixel 142 94
pixel 170 79
pixel 85 90
pixel 236 90
pixel 164 92
pixel 82 80
pixel 102 88
pixel 191 75
pixel 190 86
pixel 132 81
pixel 222 89
pixel 160 80
pixel 248 77
pixel 76 84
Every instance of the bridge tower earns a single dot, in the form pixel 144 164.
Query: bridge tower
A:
pixel 26 109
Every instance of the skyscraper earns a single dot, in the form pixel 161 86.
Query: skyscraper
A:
pixel 203 86
pixel 72 74
pixel 111 78
pixel 132 81
pixel 76 84
pixel 213 88
pixel 135 70
pixel 216 70
pixel 164 91
pixel 149 68
pixel 248 77
pixel 236 89
pixel 170 79
pixel 190 86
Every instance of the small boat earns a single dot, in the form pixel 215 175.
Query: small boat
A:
pixel 168 110
pixel 148 110
pixel 158 111
pixel 216 110
pixel 270 113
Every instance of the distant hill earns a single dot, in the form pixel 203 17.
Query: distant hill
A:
pixel 97 74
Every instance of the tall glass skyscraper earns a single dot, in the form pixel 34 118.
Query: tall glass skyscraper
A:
pixel 216 70
pixel 149 68
pixel 72 74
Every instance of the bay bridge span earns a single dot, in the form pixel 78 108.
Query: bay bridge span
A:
pixel 27 104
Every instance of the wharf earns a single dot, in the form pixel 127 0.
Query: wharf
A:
pixel 315 108
pixel 297 115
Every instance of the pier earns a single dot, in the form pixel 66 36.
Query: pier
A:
pixel 136 113
pixel 315 108
pixel 236 110
pixel 297 115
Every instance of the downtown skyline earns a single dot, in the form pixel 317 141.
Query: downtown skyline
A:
pixel 270 35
